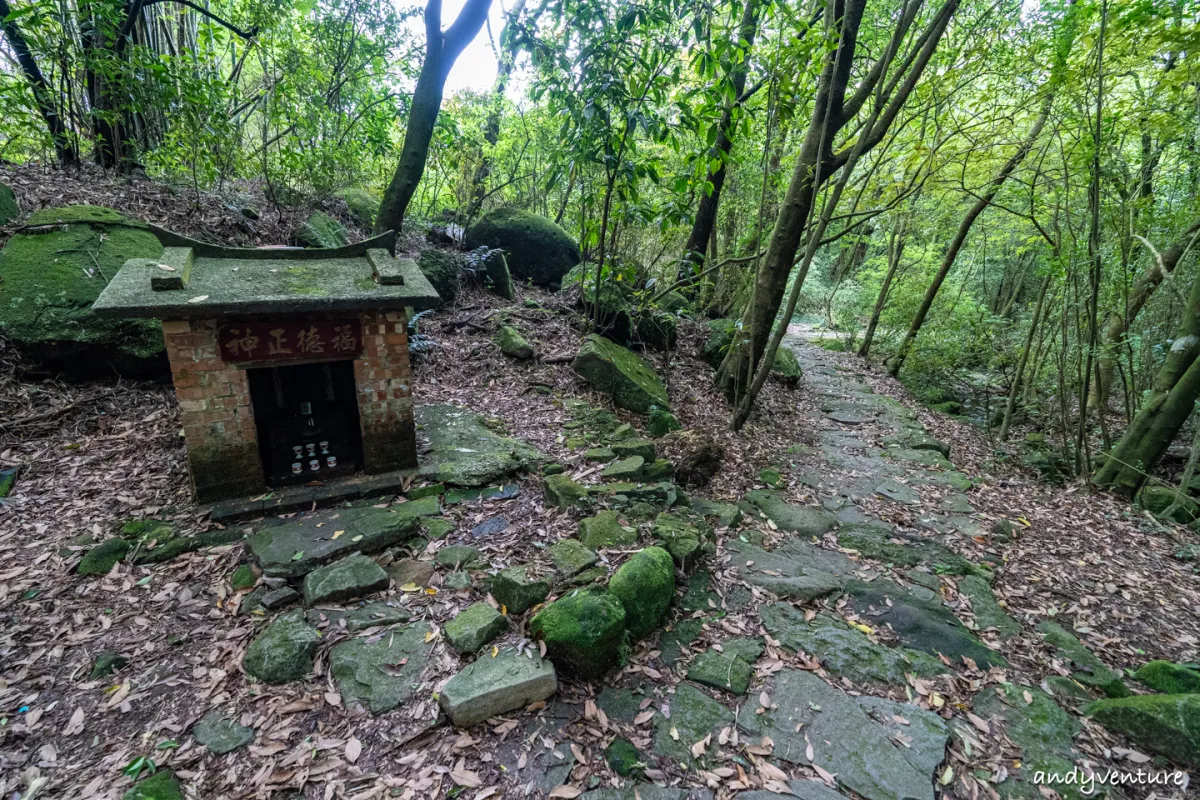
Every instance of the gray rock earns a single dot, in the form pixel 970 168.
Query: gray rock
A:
pixel 297 548
pixel 492 686
pixel 1042 730
pixel 275 599
pixel 473 627
pixel 921 624
pixel 898 492
pixel 805 790
pixel 844 651
pixel 382 672
pixel 489 527
pixel 923 738
pixel 794 569
pixel 460 556
pixel 371 615
pixel 284 651
pixel 570 557
pixel 956 503
pixel 727 671
pixel 221 735
pixel 463 450
pixel 409 571
pixel 351 577
pixel 844 739
pixel 514 589
pixel 789 517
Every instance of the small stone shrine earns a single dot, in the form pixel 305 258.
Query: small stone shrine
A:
pixel 291 366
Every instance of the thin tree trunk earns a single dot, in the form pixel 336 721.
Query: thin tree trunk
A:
pixel 1065 41
pixel 816 164
pixel 706 211
pixel 964 228
pixel 441 51
pixel 1015 389
pixel 896 245
pixel 43 93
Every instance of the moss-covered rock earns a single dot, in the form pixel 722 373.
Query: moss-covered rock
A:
pixel 583 631
pixel 570 557
pixel 362 205
pixel 645 585
pixel 627 379
pixel 243 578
pixel 1157 499
pixel 54 269
pixel 1092 671
pixel 473 627
pixel 785 368
pixel 562 492
pixel 517 591
pixel 497 276
pixel 1168 678
pixel 8 205
pixel 513 344
pixel 466 449
pixel 162 785
pixel 605 530
pixel 443 270
pixel 537 249
pixel 662 422
pixel 727 671
pixel 284 651
pixel 623 758
pixel 101 559
pixel 321 230
pixel 1168 724
pixel 108 662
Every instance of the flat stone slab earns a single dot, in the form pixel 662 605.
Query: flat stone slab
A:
pixel 694 715
pixel 922 735
pixel 1037 725
pixel 492 686
pixel 726 671
pixel 371 615
pixel 844 740
pixel 790 517
pixel 221 735
pixel 956 503
pixel 297 548
pixel 926 458
pixel 489 527
pixel 461 448
pixel 382 672
pixel 898 492
pixel 844 651
pixel 922 623
pixel 571 557
pixel 988 613
pixel 351 577
pixel 794 569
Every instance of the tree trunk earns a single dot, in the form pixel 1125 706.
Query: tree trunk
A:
pixel 491 127
pixel 706 211
pixel 895 250
pixel 1015 389
pixel 43 94
pixel 1141 292
pixel 748 363
pixel 441 51
pixel 964 228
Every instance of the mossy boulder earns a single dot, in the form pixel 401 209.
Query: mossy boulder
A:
pixel 8 205
pixel 284 651
pixel 473 627
pixel 605 530
pixel 497 276
pixel 1167 724
pixel 537 249
pixel 618 372
pixel 722 332
pixel 362 205
pixel 321 230
pixel 623 758
pixel 645 585
pixel 54 269
pixel 662 422
pixel 583 631
pixel 1157 499
pixel 513 344
pixel 1168 678
pixel 443 270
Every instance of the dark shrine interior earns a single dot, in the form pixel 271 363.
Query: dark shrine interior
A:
pixel 307 419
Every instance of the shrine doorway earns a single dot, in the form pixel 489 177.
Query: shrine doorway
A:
pixel 307 420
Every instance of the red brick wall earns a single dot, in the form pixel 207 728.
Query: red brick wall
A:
pixel 218 420
pixel 214 407
pixel 385 408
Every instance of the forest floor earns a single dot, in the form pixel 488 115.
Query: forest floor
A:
pixel 968 561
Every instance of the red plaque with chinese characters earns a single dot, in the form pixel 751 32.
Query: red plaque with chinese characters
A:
pixel 253 342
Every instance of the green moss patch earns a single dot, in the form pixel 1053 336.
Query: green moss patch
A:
pixel 583 632
pixel 645 585
pixel 1165 724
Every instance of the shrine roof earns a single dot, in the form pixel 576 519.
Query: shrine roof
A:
pixel 193 279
